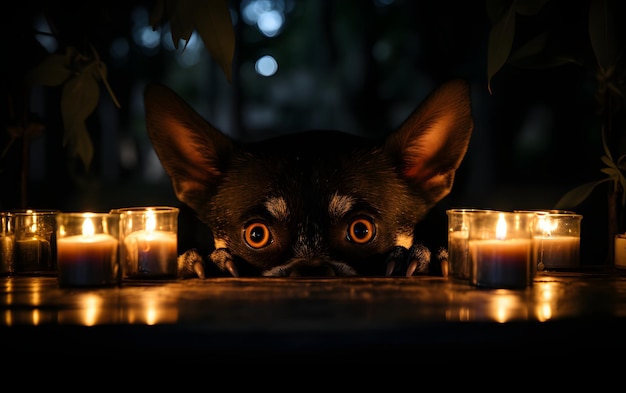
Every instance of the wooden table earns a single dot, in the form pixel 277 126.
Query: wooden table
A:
pixel 567 315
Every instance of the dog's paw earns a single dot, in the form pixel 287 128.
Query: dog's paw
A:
pixel 224 260
pixel 191 264
pixel 403 261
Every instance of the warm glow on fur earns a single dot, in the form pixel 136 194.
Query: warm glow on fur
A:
pixel 339 205
pixel 404 240
pixel 322 191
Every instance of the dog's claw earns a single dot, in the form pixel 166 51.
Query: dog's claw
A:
pixel 442 257
pixel 230 266
pixel 391 265
pixel 414 260
pixel 190 263
pixel 198 267
pixel 411 269
pixel 420 259
pixel 223 259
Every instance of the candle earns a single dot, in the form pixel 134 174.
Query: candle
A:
pixel 151 254
pixel 620 251
pixel 556 243
pixel 35 242
pixel 149 239
pixel 458 234
pixel 87 259
pixel 501 259
pixel 501 263
pixel 556 252
pixel 27 254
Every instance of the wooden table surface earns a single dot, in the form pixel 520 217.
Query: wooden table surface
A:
pixel 564 314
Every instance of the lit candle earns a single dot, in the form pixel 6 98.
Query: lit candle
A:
pixel 557 252
pixel 88 259
pixel 34 248
pixel 501 262
pixel 151 253
pixel 556 244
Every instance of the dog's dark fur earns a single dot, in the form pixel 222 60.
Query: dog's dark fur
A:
pixel 317 203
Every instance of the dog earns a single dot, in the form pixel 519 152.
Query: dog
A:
pixel 312 203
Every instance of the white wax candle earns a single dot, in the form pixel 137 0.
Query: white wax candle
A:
pixel 87 260
pixel 501 263
pixel 557 251
pixel 151 254
pixel 27 255
pixel 620 252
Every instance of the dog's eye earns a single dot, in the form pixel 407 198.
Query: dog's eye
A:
pixel 257 235
pixel 361 231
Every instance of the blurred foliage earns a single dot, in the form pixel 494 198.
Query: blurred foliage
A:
pixel 80 73
pixel 543 48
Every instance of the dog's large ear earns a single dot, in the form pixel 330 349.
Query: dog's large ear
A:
pixel 192 151
pixel 429 146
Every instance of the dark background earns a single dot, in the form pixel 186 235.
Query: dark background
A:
pixel 358 66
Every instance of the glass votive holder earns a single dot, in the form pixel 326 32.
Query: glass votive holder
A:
pixel 149 242
pixel 556 240
pixel 88 249
pixel 458 266
pixel 500 249
pixel 619 257
pixel 7 242
pixel 35 242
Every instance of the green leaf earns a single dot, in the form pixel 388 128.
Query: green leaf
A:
pixel 52 71
pixel 501 38
pixel 577 195
pixel 157 13
pixel 100 73
pixel 608 162
pixel 181 18
pixel 212 21
pixel 79 98
pixel 80 144
pixel 214 24
pixel 613 173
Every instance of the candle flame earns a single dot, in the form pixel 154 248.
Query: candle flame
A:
pixel 150 222
pixel 501 228
pixel 547 226
pixel 88 228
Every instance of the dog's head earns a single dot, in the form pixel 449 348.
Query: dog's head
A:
pixel 317 202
